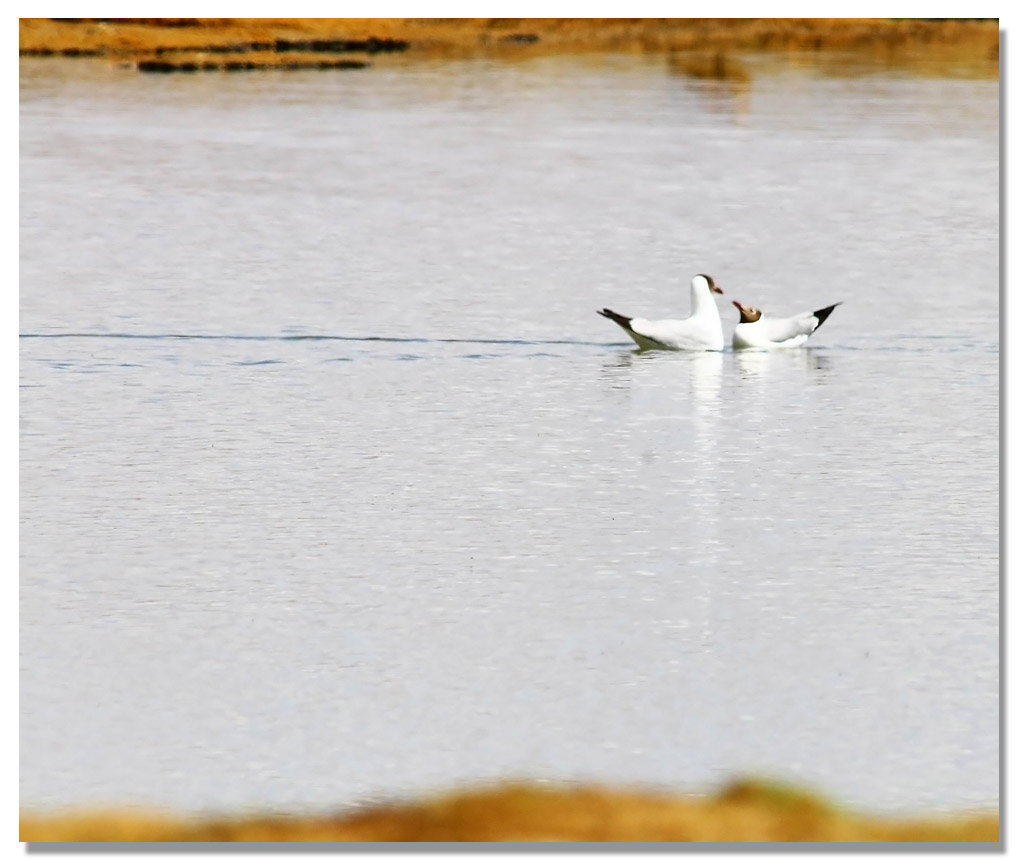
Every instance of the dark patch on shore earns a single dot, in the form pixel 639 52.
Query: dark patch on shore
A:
pixel 236 50
pixel 166 67
pixel 371 45
pixel 149 22
pixel 64 52
pixel 520 38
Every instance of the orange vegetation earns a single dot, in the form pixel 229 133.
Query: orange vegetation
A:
pixel 747 811
pixel 140 38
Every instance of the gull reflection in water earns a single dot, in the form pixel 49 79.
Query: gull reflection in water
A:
pixel 659 381
pixel 706 556
pixel 707 369
pixel 753 363
pixel 671 404
pixel 702 370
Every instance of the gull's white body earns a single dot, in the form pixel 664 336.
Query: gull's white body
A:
pixel 779 332
pixel 700 331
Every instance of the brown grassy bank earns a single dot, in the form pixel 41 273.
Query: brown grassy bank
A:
pixel 227 42
pixel 747 811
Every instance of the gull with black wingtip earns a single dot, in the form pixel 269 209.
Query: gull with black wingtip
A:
pixel 756 330
pixel 700 331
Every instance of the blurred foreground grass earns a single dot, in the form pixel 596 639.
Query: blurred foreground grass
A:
pixel 745 811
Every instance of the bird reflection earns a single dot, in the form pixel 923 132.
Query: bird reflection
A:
pixel 702 370
pixel 707 368
pixel 753 363
pixel 670 405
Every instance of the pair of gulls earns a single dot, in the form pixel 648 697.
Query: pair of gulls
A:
pixel 702 330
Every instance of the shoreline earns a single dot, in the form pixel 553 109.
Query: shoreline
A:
pixel 939 46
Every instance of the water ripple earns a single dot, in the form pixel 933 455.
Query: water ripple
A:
pixel 318 337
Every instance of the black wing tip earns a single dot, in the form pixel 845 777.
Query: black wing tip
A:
pixel 620 319
pixel 822 314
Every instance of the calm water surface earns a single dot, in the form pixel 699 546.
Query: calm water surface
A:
pixel 334 487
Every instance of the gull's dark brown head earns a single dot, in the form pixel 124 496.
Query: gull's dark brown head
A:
pixel 749 313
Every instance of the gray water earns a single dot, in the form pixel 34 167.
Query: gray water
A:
pixel 333 486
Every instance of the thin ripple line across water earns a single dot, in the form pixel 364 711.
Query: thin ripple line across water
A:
pixel 316 337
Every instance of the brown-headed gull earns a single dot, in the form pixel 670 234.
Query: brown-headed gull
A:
pixel 700 331
pixel 756 330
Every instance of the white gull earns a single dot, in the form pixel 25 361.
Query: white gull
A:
pixel 700 331
pixel 756 330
